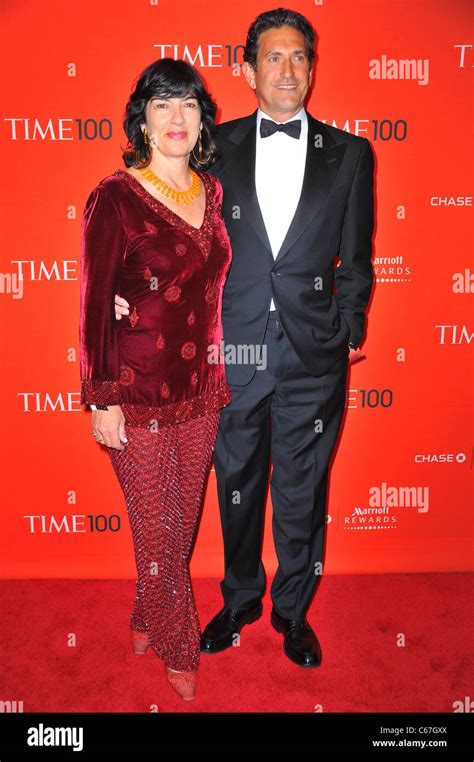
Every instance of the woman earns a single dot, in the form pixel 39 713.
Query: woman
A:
pixel 154 232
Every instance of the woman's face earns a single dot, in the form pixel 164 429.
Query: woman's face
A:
pixel 173 124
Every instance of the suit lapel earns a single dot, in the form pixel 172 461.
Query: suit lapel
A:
pixel 241 173
pixel 321 168
pixel 323 159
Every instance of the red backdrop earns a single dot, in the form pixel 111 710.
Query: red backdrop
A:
pixel 398 73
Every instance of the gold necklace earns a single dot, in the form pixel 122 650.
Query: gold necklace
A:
pixel 186 197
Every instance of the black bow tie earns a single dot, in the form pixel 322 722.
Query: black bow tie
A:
pixel 293 129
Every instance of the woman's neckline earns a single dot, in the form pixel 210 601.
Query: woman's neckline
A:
pixel 149 198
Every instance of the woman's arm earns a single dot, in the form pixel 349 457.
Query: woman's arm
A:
pixel 103 246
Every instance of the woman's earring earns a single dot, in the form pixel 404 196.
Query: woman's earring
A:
pixel 139 160
pixel 200 152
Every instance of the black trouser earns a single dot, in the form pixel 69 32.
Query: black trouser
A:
pixel 280 413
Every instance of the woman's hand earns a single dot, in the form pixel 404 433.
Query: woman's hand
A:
pixel 108 427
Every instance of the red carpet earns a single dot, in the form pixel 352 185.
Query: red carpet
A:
pixel 357 619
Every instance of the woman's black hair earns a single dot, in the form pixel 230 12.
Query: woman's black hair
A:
pixel 274 20
pixel 168 78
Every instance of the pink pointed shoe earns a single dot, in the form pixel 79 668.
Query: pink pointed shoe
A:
pixel 140 642
pixel 184 683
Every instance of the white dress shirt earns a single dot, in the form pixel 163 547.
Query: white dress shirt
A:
pixel 279 170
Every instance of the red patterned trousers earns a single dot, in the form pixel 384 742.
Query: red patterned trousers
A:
pixel 162 474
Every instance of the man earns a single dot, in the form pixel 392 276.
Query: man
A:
pixel 297 194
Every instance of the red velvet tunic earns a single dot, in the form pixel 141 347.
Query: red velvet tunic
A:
pixel 154 362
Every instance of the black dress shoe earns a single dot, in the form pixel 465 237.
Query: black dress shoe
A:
pixel 220 632
pixel 300 643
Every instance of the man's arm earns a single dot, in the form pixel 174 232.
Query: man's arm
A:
pixel 354 275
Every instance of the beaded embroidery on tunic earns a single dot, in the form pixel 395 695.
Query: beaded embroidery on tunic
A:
pixel 201 236
pixel 167 414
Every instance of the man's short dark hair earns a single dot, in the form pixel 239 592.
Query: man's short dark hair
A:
pixel 275 20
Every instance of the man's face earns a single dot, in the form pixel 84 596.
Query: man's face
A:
pixel 283 74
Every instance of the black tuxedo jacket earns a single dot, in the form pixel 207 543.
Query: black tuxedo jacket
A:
pixel 334 218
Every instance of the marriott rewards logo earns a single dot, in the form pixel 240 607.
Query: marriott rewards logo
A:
pixel 387 505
